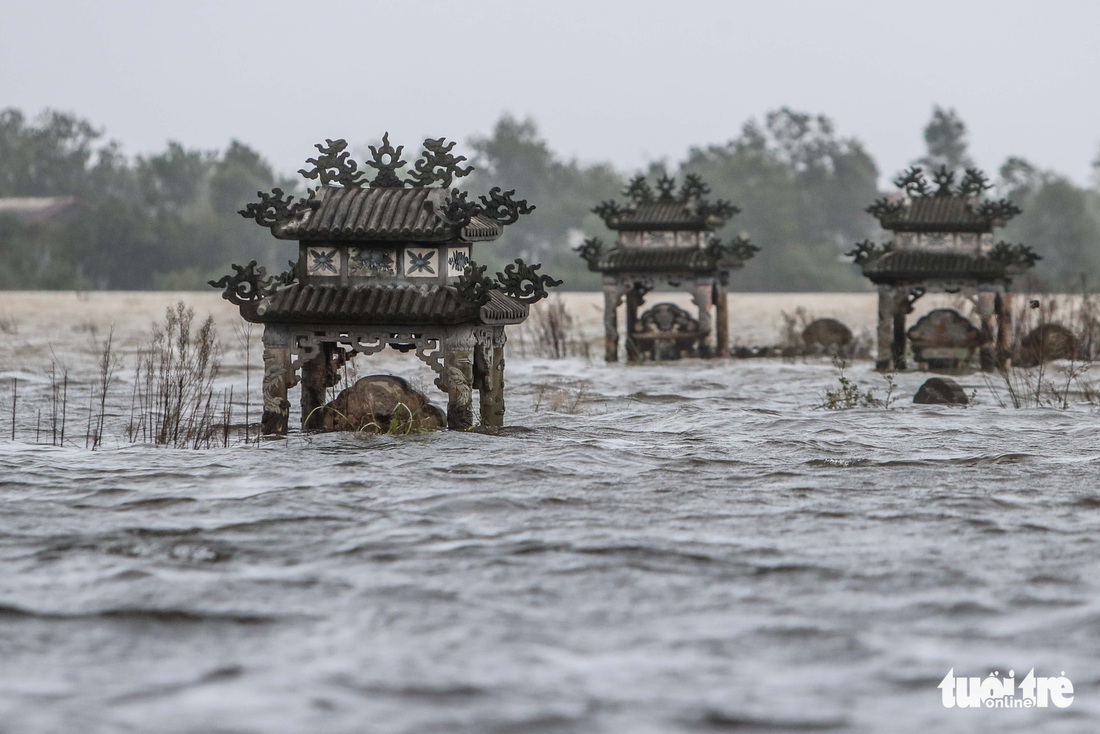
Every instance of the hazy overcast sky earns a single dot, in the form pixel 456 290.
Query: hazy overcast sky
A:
pixel 625 82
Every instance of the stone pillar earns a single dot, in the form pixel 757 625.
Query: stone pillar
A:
pixel 278 378
pixel 612 297
pixel 634 299
pixel 897 347
pixel 491 384
pixel 722 319
pixel 314 383
pixel 1002 307
pixel 986 302
pixel 884 361
pixel 701 296
pixel 457 380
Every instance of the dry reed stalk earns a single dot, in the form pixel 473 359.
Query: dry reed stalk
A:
pixel 554 331
pixel 180 364
pixel 14 401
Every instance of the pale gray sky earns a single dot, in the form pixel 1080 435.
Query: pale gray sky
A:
pixel 617 81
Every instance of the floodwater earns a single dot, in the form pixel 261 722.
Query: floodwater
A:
pixel 686 547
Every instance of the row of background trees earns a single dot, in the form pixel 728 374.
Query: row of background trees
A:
pixel 168 221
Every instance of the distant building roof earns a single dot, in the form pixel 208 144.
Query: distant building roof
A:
pixel 936 214
pixel 31 210
pixel 905 265
pixel 662 260
pixel 662 215
pixel 666 208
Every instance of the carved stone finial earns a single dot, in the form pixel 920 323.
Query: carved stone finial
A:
pixel 271 209
pixel 740 248
pixel 666 185
pixel 458 212
pixel 638 190
pixel 387 160
pixel 974 182
pixel 251 283
pixel 334 165
pixel 913 182
pixel 522 282
pixel 944 180
pixel 473 286
pixel 438 165
pixel 693 188
pixel 883 207
pixel 867 251
pixel 997 211
pixel 1014 257
pixel 502 207
pixel 590 251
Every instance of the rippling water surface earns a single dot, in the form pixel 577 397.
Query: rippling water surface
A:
pixel 666 548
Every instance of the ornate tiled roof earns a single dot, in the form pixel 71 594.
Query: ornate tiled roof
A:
pixel 382 213
pixel 936 214
pixel 666 208
pixel 902 265
pixel 662 215
pixel 392 303
pixel 662 260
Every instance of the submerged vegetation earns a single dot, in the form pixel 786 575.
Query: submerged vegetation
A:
pixel 849 394
pixel 172 398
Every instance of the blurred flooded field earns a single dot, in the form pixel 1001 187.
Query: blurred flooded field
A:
pixel 32 320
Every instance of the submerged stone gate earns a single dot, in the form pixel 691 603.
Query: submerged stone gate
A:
pixel 385 263
pixel 942 242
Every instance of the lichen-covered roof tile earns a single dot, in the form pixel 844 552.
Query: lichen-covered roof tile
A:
pixel 393 303
pixel 937 214
pixel 902 265
pixel 383 213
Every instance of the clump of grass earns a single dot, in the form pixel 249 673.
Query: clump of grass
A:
pixel 849 394
pixel 173 393
pixel 1038 383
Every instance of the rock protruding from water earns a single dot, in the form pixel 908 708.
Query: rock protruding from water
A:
pixel 944 340
pixel 827 334
pixel 382 404
pixel 941 391
pixel 1047 342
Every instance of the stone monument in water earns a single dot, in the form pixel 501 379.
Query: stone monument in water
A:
pixel 385 263
pixel 666 238
pixel 942 242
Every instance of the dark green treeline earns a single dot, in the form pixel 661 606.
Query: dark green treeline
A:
pixel 169 221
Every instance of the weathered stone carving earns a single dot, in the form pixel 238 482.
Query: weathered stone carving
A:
pixel 250 283
pixel 381 404
pixel 385 264
pixel 334 165
pixel 522 282
pixel 944 340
